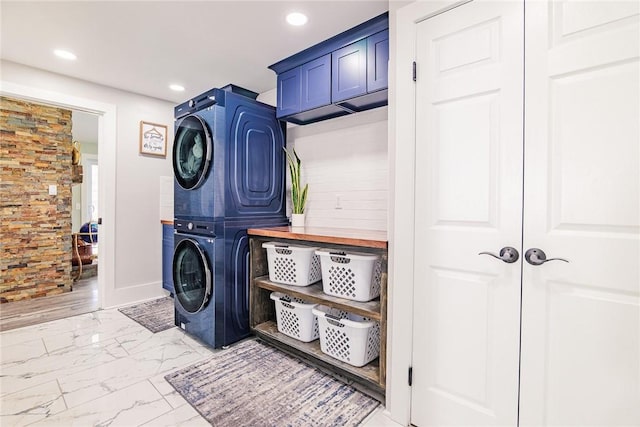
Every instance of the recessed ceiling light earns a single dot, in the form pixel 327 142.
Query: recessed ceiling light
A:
pixel 177 88
pixel 64 54
pixel 297 18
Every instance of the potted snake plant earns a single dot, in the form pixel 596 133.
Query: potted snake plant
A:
pixel 298 193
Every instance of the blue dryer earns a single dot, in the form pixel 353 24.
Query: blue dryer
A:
pixel 227 157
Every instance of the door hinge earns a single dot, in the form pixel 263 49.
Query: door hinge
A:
pixel 410 376
pixel 414 71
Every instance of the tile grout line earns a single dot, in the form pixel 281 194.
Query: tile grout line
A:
pixel 46 349
pixel 62 395
pixel 163 398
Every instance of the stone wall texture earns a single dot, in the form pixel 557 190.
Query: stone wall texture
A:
pixel 35 227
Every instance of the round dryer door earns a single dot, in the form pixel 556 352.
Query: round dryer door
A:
pixel 191 152
pixel 191 276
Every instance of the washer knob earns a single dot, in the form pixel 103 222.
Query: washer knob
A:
pixel 190 226
pixel 192 103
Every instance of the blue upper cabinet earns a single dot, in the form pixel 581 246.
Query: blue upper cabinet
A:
pixel 344 74
pixel 305 87
pixel 377 61
pixel 316 83
pixel 370 69
pixel 288 93
pixel 349 71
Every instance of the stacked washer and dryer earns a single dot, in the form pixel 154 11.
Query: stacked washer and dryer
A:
pixel 228 163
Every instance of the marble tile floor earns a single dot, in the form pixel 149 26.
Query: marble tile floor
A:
pixel 100 369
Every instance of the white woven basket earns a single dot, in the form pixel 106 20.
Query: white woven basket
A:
pixel 295 317
pixel 348 337
pixel 352 276
pixel 292 265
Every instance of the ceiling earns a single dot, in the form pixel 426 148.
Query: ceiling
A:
pixel 143 46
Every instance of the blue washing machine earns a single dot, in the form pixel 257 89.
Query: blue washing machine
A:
pixel 193 278
pixel 211 278
pixel 228 157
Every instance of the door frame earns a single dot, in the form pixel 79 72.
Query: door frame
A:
pixel 402 218
pixel 87 161
pixel 107 128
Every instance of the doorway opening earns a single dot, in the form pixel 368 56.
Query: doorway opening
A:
pixel 107 129
pixel 85 210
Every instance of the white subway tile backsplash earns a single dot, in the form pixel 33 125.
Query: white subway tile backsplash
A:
pixel 346 159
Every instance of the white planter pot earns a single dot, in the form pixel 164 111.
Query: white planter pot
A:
pixel 297 220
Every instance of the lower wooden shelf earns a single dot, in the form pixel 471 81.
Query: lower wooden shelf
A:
pixel 368 375
pixel 314 294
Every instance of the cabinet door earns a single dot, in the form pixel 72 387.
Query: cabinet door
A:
pixel 468 200
pixel 316 83
pixel 288 92
pixel 349 71
pixel 167 257
pixel 377 61
pixel 580 362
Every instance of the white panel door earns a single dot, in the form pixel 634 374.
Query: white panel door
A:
pixel 468 200
pixel 581 320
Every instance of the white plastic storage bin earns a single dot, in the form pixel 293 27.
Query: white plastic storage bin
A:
pixel 352 276
pixel 295 317
pixel 348 337
pixel 292 265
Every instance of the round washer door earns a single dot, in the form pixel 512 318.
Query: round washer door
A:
pixel 191 276
pixel 191 152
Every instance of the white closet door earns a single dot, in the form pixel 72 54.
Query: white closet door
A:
pixel 581 320
pixel 468 200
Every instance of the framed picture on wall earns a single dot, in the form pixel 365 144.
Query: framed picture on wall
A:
pixel 153 139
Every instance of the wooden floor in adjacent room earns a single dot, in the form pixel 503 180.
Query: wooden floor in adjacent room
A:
pixel 83 299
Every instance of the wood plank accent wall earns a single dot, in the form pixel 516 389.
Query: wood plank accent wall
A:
pixel 35 227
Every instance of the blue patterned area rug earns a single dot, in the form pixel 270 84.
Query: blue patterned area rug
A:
pixel 254 384
pixel 156 315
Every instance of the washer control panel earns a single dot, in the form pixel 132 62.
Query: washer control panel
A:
pixel 204 228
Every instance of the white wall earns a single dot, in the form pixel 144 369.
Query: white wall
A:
pixel 137 229
pixel 398 356
pixel 343 158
